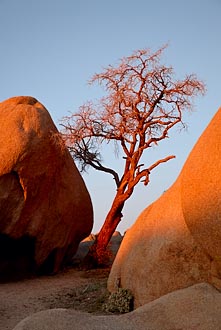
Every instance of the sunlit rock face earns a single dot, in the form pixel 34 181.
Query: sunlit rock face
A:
pixel 201 194
pixel 45 208
pixel 176 241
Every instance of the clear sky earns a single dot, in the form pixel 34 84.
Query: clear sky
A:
pixel 49 49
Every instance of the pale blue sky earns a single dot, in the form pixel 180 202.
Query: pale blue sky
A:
pixel 49 49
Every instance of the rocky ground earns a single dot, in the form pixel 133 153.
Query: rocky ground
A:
pixel 74 288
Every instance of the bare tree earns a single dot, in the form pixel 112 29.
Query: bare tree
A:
pixel 142 103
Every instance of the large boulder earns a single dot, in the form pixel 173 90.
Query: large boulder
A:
pixel 158 254
pixel 45 208
pixel 201 193
pixel 175 242
pixel 197 307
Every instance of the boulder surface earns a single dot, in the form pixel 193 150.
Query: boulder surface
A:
pixel 175 242
pixel 201 194
pixel 196 307
pixel 45 208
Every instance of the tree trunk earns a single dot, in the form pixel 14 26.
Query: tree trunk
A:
pixel 98 254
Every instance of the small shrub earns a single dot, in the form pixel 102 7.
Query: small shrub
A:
pixel 120 301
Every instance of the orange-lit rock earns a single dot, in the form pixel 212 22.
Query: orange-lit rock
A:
pixel 201 193
pixel 176 241
pixel 45 208
pixel 158 254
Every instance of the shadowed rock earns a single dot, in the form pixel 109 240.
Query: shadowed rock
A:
pixel 197 307
pixel 176 241
pixel 45 208
pixel 85 245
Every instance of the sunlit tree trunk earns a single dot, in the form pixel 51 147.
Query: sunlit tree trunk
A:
pixel 98 254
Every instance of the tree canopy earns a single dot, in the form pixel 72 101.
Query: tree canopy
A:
pixel 142 102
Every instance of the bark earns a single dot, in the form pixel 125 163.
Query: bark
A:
pixel 98 254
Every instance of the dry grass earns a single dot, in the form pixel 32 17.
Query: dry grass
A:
pixel 88 297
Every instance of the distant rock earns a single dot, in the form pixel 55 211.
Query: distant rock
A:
pixel 85 245
pixel 175 242
pixel 196 307
pixel 45 208
pixel 114 244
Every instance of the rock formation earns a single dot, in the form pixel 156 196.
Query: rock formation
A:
pixel 85 245
pixel 201 194
pixel 45 208
pixel 175 242
pixel 196 307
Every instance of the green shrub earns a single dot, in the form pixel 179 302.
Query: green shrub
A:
pixel 120 301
